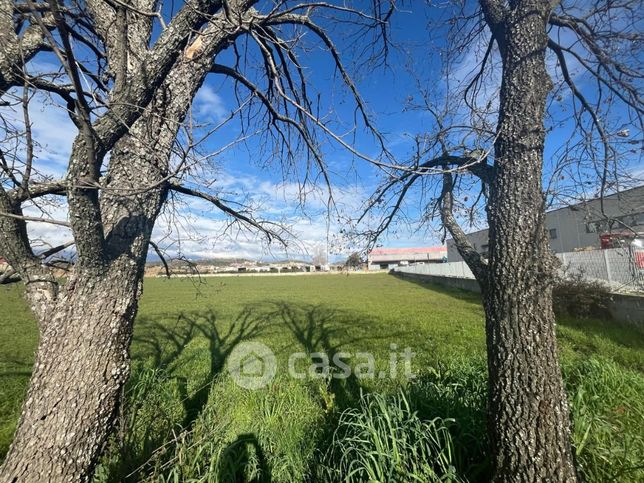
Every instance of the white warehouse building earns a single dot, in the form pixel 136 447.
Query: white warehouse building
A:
pixel 387 258
pixel 581 226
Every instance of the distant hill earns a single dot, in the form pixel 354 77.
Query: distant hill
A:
pixel 286 262
pixel 203 261
pixel 222 262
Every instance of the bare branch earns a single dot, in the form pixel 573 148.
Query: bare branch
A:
pixel 37 190
pixel 474 260
pixel 161 257
pixel 58 248
pixel 35 219
pixel 238 215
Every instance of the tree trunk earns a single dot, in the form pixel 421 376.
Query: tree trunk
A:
pixel 82 361
pixel 529 419
pixel 85 345
pixel 81 366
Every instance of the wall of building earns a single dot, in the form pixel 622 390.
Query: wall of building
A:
pixel 388 258
pixel 478 239
pixel 577 226
pixel 382 266
pixel 391 264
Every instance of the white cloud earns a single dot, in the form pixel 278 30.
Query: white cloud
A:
pixel 53 133
pixel 209 105
pixel 198 231
pixel 43 235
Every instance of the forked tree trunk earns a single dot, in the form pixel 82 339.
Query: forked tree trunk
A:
pixel 83 359
pixel 81 366
pixel 529 419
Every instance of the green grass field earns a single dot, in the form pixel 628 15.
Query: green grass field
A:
pixel 185 419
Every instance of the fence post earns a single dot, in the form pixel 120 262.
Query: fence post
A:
pixel 608 274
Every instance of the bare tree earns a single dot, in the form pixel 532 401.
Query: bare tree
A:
pixel 129 71
pixel 319 255
pixel 487 152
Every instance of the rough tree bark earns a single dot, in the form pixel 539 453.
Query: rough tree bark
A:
pixel 82 361
pixel 529 423
pixel 81 365
pixel 528 416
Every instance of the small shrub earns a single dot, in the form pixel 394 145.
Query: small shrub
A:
pixel 384 440
pixel 579 297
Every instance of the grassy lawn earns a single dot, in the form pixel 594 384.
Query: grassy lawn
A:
pixel 185 418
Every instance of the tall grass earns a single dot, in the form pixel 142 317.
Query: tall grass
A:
pixel 608 413
pixel 457 390
pixel 433 429
pixel 240 435
pixel 607 408
pixel 147 428
pixel 384 440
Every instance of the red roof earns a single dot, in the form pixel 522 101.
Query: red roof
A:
pixel 405 251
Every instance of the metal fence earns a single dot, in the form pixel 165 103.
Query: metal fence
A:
pixel 620 268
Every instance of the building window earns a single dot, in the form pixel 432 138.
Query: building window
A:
pixel 634 219
pixel 596 226
pixel 553 233
pixel 616 223
pixel 639 218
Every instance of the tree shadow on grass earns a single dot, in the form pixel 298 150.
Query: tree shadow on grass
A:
pixel 287 327
pixel 320 328
pixel 243 461
pixel 150 424
pixel 455 391
pixel 166 345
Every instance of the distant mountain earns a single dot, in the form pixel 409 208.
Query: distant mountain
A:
pixel 222 262
pixel 203 261
pixel 287 262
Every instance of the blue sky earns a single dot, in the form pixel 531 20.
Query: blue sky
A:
pixel 248 173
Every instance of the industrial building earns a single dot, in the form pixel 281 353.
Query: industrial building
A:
pixel 582 226
pixel 388 258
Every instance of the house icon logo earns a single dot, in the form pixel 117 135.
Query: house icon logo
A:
pixel 252 365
